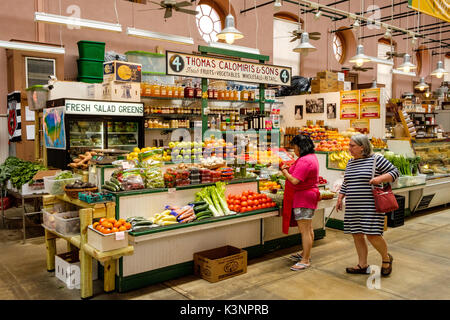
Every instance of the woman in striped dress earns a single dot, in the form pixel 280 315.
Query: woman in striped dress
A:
pixel 361 218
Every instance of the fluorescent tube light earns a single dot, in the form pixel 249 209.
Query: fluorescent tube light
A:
pixel 410 74
pixel 159 36
pixel 71 21
pixel 227 46
pixel 31 47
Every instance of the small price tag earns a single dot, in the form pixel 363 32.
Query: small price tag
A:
pixel 120 235
pixel 126 165
pixel 171 190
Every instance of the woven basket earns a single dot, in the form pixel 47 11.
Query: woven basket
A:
pixel 73 193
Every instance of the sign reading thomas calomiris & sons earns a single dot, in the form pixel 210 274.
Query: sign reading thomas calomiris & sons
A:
pixel 189 65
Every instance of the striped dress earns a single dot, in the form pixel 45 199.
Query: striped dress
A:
pixel 360 214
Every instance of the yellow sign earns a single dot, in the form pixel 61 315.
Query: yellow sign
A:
pixel 349 108
pixel 436 8
pixel 370 104
pixel 360 125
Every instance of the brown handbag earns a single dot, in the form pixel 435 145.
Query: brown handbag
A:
pixel 385 200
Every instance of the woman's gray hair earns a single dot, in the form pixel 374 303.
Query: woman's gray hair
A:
pixel 363 141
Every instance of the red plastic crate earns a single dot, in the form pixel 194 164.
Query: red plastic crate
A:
pixel 6 204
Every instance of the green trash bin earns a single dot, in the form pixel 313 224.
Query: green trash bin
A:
pixel 90 68
pixel 91 50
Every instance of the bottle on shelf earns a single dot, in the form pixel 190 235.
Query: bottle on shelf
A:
pixel 244 94
pixel 221 94
pixel 180 91
pixel 156 90
pixel 251 95
pixel 210 93
pixel 175 91
pixel 227 93
pixel 169 91
pixel 163 90
pixel 215 93
pixel 189 91
pixel 197 91
pixel 235 94
pixel 256 94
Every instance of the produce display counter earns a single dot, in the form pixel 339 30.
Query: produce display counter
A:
pixel 109 259
pixel 166 252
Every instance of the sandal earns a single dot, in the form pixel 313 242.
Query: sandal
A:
pixel 297 257
pixel 387 271
pixel 359 270
pixel 300 266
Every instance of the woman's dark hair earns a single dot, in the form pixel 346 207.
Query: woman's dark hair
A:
pixel 305 144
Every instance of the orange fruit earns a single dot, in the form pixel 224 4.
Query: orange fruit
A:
pixel 111 220
pixel 107 224
pixel 114 230
pixel 95 225
pixel 102 219
pixel 106 230
pixel 127 225
pixel 122 228
pixel 122 221
pixel 99 228
pixel 117 224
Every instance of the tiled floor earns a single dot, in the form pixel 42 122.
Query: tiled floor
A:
pixel 421 249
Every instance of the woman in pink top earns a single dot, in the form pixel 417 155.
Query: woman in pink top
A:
pixel 301 195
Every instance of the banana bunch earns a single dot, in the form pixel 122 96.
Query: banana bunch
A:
pixel 164 218
pixel 341 157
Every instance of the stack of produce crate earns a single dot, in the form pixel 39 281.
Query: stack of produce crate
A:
pixel 90 63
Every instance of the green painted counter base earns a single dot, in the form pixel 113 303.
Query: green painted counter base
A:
pixel 124 284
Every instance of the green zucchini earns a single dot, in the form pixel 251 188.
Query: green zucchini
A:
pixel 115 181
pixel 204 213
pixel 197 203
pixel 204 217
pixel 201 208
pixel 112 185
pixel 142 223
pixel 109 188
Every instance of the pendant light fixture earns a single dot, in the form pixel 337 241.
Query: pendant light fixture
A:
pixel 428 93
pixel 360 58
pixel 421 85
pixel 318 14
pixel 229 33
pixel 305 46
pixel 406 66
pixel 439 71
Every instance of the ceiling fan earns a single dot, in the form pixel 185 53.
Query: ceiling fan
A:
pixel 297 34
pixel 363 69
pixel 170 5
pixel 392 54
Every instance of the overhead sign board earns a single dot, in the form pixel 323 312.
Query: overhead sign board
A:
pixel 95 107
pixel 189 65
pixel 436 8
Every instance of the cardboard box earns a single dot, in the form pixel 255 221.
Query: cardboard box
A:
pixel 121 91
pixel 341 76
pixel 340 85
pixel 67 269
pixel 323 85
pixel 327 75
pixel 347 86
pixel 122 71
pixel 95 91
pixel 107 242
pixel 220 263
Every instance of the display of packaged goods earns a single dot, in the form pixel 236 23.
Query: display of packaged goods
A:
pixel 93 197
pixel 55 185
pixel 122 71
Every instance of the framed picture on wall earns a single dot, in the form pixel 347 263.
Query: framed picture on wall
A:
pixel 331 110
pixel 298 112
pixel 315 105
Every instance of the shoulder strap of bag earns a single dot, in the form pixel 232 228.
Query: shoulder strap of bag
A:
pixel 373 169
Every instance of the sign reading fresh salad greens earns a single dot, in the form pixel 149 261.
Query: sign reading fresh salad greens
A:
pixel 103 108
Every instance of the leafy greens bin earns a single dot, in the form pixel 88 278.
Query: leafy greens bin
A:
pixel 55 185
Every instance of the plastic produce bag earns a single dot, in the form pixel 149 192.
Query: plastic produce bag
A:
pixel 298 85
pixel 153 178
pixel 132 180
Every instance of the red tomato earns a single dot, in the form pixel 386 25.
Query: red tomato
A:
pixel 243 209
pixel 237 208
pixel 245 193
pixel 273 204
pixel 250 202
pixel 237 202
pixel 256 202
pixel 250 197
pixel 254 208
pixel 231 207
pixel 264 205
pixel 243 198
pixel 259 207
pixel 244 203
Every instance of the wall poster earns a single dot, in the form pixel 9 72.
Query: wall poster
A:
pixel 349 105
pixel 53 126
pixel 370 104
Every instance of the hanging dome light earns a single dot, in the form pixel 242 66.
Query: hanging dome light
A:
pixel 422 85
pixel 406 66
pixel 229 33
pixel 277 5
pixel 439 71
pixel 360 57
pixel 305 46
pixel 356 23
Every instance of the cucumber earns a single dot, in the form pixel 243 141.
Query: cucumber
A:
pixel 204 217
pixel 197 203
pixel 201 208
pixel 204 213
pixel 112 185
pixel 115 181
pixel 109 188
